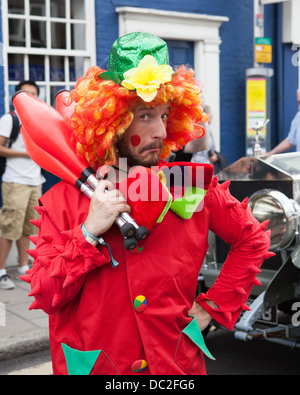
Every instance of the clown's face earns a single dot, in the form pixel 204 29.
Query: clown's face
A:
pixel 142 142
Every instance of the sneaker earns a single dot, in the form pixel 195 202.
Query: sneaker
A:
pixel 6 283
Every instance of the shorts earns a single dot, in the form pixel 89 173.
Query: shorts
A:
pixel 18 209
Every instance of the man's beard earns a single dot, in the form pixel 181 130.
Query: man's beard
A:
pixel 132 160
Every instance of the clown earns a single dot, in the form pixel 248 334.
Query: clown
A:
pixel 136 313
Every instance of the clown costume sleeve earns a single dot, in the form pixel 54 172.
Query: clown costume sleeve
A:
pixel 233 222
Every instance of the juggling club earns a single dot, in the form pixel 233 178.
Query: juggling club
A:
pixel 57 144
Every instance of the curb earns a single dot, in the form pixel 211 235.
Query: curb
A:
pixel 34 341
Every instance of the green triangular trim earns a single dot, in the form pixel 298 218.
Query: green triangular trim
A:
pixel 194 333
pixel 79 362
pixel 186 206
pixel 167 206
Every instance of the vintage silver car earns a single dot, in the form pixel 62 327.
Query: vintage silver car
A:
pixel 273 188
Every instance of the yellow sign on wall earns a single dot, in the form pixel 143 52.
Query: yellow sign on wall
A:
pixel 263 50
pixel 256 110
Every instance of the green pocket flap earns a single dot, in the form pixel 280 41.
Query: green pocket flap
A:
pixel 80 362
pixel 192 330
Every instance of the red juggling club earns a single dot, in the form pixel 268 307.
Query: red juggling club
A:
pixel 47 161
pixel 63 103
pixel 51 164
pixel 55 140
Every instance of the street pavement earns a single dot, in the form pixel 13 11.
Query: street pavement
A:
pixel 21 331
pixel 39 370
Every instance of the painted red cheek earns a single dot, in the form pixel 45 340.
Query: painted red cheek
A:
pixel 135 140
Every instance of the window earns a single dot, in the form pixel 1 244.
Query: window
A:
pixel 48 41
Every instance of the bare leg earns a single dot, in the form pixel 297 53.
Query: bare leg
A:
pixel 5 246
pixel 23 246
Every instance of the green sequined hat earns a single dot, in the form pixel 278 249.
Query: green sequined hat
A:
pixel 127 52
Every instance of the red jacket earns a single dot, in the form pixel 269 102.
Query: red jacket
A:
pixel 133 318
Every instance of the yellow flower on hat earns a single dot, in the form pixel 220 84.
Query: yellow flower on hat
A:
pixel 147 77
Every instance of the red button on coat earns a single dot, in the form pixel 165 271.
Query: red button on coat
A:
pixel 140 303
pixel 139 365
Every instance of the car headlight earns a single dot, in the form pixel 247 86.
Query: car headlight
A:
pixel 283 213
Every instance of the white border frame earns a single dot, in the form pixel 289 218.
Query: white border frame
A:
pixel 202 29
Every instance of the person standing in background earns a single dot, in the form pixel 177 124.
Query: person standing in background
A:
pixel 293 138
pixel 21 188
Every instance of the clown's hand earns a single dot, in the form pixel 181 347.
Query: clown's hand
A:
pixel 106 204
pixel 201 315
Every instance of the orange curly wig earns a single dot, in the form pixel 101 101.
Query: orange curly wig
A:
pixel 103 113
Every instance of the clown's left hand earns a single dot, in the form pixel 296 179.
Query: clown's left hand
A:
pixel 201 315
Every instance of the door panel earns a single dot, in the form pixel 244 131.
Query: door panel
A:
pixel 181 52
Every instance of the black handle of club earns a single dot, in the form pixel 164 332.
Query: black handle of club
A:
pixel 141 233
pixel 130 243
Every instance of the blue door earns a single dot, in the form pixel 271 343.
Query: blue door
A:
pixel 50 181
pixel 181 52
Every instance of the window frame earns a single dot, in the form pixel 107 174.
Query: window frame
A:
pixel 89 54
